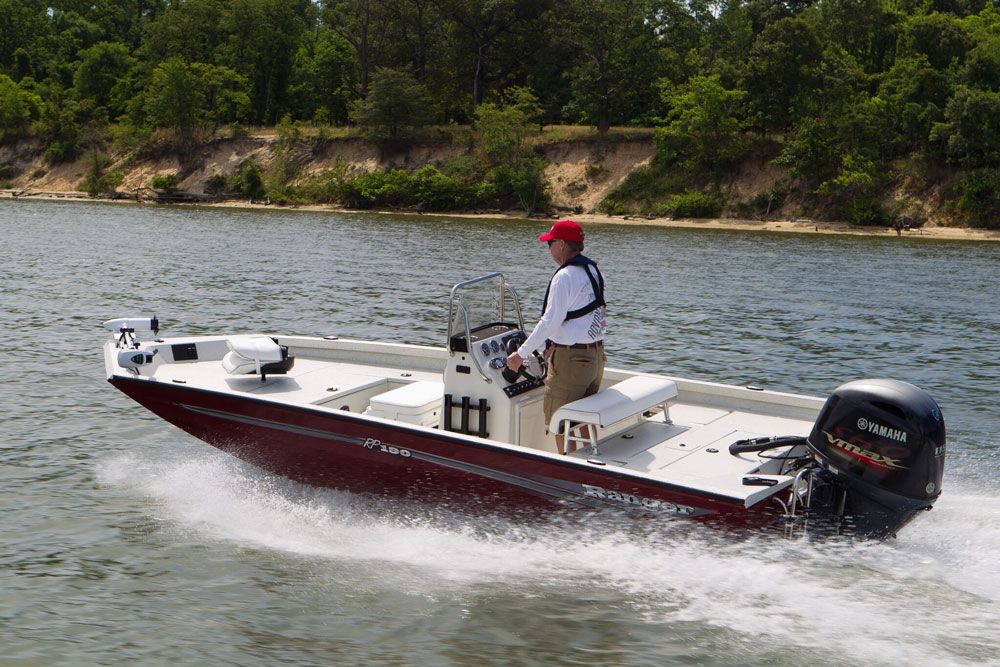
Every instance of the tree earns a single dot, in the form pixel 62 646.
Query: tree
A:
pixel 417 25
pixel 705 130
pixel 982 65
pixel 617 59
pixel 101 67
pixel 262 38
pixel 479 28
pixel 194 30
pixel 916 94
pixel 22 27
pixel 515 173
pixel 323 75
pixel 503 131
pixel 395 99
pixel 363 23
pixel 175 98
pixel 940 37
pixel 781 73
pixel 17 108
pixel 224 93
pixel 971 128
pixel 866 29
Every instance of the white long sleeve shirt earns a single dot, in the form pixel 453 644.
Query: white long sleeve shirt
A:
pixel 570 289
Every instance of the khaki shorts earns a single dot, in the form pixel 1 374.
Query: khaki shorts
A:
pixel 573 374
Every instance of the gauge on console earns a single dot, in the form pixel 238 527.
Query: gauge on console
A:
pixel 496 346
pixel 486 349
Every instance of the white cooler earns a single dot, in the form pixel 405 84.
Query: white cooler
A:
pixel 414 403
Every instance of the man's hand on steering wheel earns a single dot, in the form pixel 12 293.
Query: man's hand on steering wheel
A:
pixel 515 361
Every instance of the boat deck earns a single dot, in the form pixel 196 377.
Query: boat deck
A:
pixel 691 449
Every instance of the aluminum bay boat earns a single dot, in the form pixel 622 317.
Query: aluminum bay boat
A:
pixel 452 421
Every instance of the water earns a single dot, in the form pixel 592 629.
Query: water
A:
pixel 127 541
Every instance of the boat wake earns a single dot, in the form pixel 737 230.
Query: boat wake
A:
pixel 930 597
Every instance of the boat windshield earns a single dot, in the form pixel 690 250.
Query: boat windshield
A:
pixel 483 303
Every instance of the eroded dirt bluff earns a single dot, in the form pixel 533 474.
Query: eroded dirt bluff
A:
pixel 580 172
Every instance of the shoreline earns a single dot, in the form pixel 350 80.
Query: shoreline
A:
pixel 795 226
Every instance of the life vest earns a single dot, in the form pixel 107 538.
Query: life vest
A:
pixel 596 283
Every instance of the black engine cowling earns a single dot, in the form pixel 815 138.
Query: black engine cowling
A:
pixel 883 443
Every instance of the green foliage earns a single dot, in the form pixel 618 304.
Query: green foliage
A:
pixel 691 204
pixel 816 148
pixel 98 179
pixel 970 131
pixel 217 184
pixel 502 132
pixel 705 131
pixel 782 73
pixel 864 210
pixel 60 132
pixel 849 89
pixel 395 100
pixel 175 99
pixel 643 190
pixel 248 180
pixel 523 186
pixel 979 198
pixel 425 189
pixel 17 108
pixel 612 71
pixel 165 182
pixel 516 175
pixel 436 191
pixel 939 37
pixel 915 94
pixel 98 75
pixel 332 186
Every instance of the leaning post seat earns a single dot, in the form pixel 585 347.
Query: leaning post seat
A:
pixel 256 355
pixel 619 401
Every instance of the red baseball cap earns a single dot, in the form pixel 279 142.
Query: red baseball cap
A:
pixel 563 230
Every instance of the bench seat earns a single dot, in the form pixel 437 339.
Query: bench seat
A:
pixel 619 401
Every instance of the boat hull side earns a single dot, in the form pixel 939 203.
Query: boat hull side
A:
pixel 348 451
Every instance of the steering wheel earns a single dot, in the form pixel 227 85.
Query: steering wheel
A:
pixel 536 359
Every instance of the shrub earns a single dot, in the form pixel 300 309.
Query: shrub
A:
pixel 218 184
pixel 440 192
pixel 98 179
pixel 644 190
pixel 248 180
pixel 864 210
pixel 165 182
pixel 522 186
pixel 612 206
pixel 331 186
pixel 979 198
pixel 692 204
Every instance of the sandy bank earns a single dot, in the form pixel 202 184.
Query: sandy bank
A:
pixel 798 226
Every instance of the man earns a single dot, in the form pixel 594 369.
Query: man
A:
pixel 572 325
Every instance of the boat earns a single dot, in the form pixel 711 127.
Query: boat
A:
pixel 454 423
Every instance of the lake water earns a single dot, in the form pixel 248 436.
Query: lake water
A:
pixel 127 541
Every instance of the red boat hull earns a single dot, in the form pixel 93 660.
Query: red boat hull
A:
pixel 347 451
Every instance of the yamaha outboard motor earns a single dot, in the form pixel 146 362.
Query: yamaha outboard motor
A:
pixel 883 443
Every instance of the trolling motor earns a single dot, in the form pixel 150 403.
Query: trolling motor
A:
pixel 128 355
pixel 127 326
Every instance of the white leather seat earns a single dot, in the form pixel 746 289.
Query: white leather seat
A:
pixel 247 354
pixel 619 401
